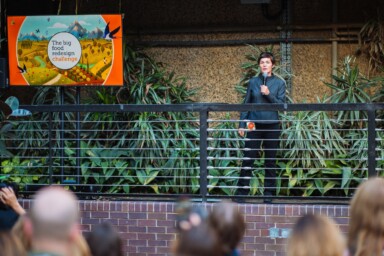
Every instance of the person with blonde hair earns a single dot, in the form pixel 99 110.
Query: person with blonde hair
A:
pixel 10 245
pixel 366 226
pixel 315 235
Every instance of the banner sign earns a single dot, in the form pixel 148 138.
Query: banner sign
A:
pixel 73 50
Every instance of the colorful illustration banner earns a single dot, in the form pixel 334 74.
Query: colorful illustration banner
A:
pixel 73 50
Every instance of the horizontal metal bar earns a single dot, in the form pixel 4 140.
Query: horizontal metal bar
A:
pixel 211 107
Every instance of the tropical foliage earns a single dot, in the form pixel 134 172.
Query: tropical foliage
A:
pixel 322 153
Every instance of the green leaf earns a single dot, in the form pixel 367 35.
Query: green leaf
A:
pixel 347 174
pixel 141 175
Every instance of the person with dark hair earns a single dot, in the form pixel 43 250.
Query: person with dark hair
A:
pixel 195 234
pixel 230 226
pixel 261 128
pixel 104 240
pixel 201 240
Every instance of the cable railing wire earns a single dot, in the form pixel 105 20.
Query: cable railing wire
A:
pixel 160 159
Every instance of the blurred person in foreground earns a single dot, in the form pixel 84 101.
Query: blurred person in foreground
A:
pixel 196 237
pixel 366 224
pixel 10 208
pixel 79 247
pixel 230 227
pixel 10 245
pixel 315 235
pixel 52 223
pixel 104 240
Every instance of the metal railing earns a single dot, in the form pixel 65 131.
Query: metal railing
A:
pixel 136 151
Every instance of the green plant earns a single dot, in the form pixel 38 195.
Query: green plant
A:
pixel 107 168
pixel 371 43
pixel 350 87
pixel 25 171
pixel 224 156
pixel 309 137
pixel 5 134
pixel 35 131
pixel 150 135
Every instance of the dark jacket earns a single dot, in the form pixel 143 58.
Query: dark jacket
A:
pixel 276 88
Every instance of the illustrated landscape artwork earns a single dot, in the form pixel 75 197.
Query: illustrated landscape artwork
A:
pixel 81 50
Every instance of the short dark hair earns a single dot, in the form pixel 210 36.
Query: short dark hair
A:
pixel 104 239
pixel 266 55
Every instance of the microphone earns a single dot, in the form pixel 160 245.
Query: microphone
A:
pixel 265 75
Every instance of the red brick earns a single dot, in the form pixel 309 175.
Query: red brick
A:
pixel 166 223
pixel 253 232
pixel 166 236
pixel 137 229
pixel 129 236
pixel 275 247
pixel 101 215
pixel 164 250
pixel 255 246
pixel 157 243
pixel 147 249
pixel 128 222
pixel 90 221
pixel 146 223
pixel 146 236
pixel 264 253
pixel 138 216
pixel 158 230
pixel 254 218
pixel 137 242
pixel 119 215
pixel 157 216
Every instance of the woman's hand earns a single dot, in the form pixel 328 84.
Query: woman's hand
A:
pixel 8 197
pixel 241 132
pixel 264 90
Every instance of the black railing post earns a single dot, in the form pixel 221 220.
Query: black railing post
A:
pixel 61 142
pixel 203 154
pixel 371 143
pixel 50 160
pixel 78 150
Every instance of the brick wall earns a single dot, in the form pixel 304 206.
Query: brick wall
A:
pixel 147 228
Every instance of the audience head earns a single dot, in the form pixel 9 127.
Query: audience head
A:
pixel 10 245
pixel 189 215
pixel 315 235
pixel 197 239
pixel 104 240
pixel 229 224
pixel 52 223
pixel 366 227
pixel 196 236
